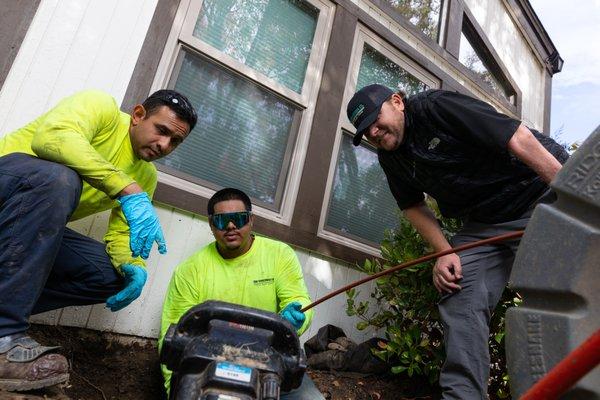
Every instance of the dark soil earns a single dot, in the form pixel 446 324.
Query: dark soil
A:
pixel 105 369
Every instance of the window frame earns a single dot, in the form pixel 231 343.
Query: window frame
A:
pixel 488 56
pixel 363 35
pixel 181 39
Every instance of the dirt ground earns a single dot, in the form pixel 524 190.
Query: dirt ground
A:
pixel 106 369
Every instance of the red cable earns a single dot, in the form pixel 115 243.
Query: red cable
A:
pixel 567 372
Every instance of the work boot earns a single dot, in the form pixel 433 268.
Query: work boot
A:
pixel 24 364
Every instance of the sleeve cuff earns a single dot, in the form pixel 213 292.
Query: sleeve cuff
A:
pixel 115 182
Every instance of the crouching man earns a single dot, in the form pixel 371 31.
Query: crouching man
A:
pixel 81 157
pixel 240 268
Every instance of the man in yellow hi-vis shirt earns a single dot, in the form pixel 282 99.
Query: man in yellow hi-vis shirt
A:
pixel 81 157
pixel 240 268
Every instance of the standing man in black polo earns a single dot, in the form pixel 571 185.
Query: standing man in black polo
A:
pixel 481 166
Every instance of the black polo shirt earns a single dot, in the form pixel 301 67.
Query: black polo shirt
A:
pixel 455 150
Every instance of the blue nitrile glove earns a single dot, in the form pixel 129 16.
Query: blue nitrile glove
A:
pixel 135 278
pixel 292 313
pixel 144 227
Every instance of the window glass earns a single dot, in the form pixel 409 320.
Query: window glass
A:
pixel 469 57
pixel 377 68
pixel 242 136
pixel 424 14
pixel 361 205
pixel 273 37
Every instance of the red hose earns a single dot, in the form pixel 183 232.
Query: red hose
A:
pixel 567 372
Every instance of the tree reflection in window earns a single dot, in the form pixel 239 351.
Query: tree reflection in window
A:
pixel 424 14
pixel 273 37
pixel 469 58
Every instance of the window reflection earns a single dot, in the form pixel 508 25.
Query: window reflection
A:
pixel 424 14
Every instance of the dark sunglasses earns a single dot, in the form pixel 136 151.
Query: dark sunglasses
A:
pixel 239 219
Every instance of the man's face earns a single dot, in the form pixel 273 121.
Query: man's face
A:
pixel 387 132
pixel 156 135
pixel 233 240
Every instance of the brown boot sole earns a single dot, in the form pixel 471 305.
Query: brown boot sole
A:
pixel 19 385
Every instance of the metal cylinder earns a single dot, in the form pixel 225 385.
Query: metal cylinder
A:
pixel 270 387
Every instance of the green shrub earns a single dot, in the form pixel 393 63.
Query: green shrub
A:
pixel 406 307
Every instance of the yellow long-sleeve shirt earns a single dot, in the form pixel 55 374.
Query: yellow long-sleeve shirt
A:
pixel 268 277
pixel 89 134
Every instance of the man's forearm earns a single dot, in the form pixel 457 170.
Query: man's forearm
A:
pixel 423 220
pixel 529 150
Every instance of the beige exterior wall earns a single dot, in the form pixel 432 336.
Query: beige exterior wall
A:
pixel 516 54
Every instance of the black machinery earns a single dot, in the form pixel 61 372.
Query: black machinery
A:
pixel 223 351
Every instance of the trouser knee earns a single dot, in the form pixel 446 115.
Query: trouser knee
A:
pixel 58 183
pixel 48 186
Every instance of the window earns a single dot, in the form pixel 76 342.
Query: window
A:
pixel 424 14
pixel 474 54
pixel 359 205
pixel 251 70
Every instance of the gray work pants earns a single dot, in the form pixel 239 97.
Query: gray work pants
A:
pixel 466 314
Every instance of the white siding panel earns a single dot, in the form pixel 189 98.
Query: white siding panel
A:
pixel 130 49
pixel 47 318
pixel 178 232
pixel 20 68
pixel 73 45
pixel 83 50
pixel 77 316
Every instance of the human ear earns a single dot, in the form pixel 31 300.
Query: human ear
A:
pixel 138 114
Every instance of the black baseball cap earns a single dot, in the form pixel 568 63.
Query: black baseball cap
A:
pixel 364 106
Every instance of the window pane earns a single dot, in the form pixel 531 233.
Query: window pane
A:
pixel 242 136
pixel 273 37
pixel 469 58
pixel 376 68
pixel 361 204
pixel 424 14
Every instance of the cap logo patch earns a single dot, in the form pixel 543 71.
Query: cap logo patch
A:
pixel 357 113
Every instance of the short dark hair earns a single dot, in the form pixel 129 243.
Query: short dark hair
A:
pixel 177 102
pixel 228 194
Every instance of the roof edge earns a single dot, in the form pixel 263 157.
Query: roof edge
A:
pixel 544 45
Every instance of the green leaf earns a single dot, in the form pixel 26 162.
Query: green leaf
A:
pixel 362 325
pixel 398 369
pixel 498 337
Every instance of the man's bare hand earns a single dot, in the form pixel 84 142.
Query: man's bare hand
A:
pixel 447 271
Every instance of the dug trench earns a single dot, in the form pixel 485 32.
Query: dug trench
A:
pixel 106 366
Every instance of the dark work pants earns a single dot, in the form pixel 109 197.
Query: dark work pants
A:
pixel 43 264
pixel 466 314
